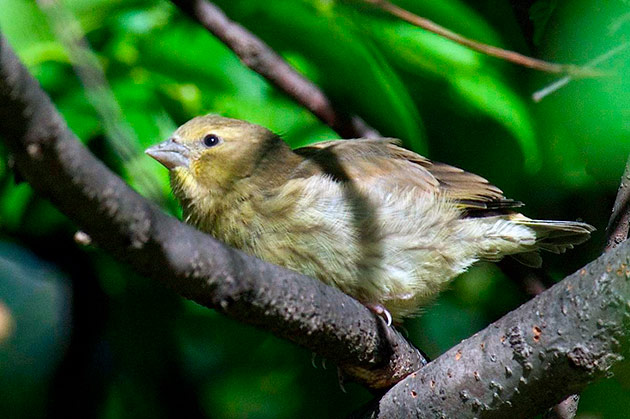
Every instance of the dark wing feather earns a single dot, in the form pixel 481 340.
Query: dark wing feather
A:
pixel 382 162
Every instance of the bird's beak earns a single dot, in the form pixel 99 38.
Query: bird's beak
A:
pixel 170 153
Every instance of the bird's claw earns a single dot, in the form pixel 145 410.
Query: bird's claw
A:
pixel 381 311
pixel 341 377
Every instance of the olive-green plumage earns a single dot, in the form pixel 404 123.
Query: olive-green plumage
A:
pixel 381 223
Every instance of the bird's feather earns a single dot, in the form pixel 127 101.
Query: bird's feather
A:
pixel 382 162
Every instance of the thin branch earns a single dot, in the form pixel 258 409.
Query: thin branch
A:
pixel 503 54
pixel 539 95
pixel 534 357
pixel 258 56
pixel 619 224
pixel 121 222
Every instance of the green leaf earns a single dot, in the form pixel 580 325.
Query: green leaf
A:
pixel 497 100
pixel 203 61
pixel 456 16
pixel 471 78
pixel 419 52
pixel 13 203
pixel 589 116
pixel 23 24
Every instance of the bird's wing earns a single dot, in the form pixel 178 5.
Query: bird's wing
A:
pixel 382 162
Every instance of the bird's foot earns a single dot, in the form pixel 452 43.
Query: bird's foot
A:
pixel 381 311
pixel 314 359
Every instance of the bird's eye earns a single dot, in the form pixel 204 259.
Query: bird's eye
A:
pixel 211 140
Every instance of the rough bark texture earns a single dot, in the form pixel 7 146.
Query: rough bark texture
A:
pixel 530 359
pixel 123 223
pixel 566 409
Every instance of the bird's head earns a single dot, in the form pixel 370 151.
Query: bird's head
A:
pixel 210 153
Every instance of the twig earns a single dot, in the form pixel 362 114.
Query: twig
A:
pixel 560 83
pixel 551 88
pixel 511 56
pixel 259 57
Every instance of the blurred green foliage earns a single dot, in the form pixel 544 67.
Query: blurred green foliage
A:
pixel 132 349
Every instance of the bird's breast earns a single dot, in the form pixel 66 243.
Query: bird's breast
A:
pixel 374 244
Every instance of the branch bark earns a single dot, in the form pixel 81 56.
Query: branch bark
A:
pixel 530 359
pixel 616 233
pixel 258 56
pixel 193 264
pixel 600 343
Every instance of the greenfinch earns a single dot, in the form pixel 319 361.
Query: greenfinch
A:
pixel 381 223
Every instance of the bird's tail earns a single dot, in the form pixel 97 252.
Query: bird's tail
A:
pixel 552 236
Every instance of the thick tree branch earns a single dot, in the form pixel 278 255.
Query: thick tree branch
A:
pixel 532 358
pixel 534 282
pixel 258 56
pixel 123 223
pixel 616 233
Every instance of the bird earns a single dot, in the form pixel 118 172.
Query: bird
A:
pixel 383 224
